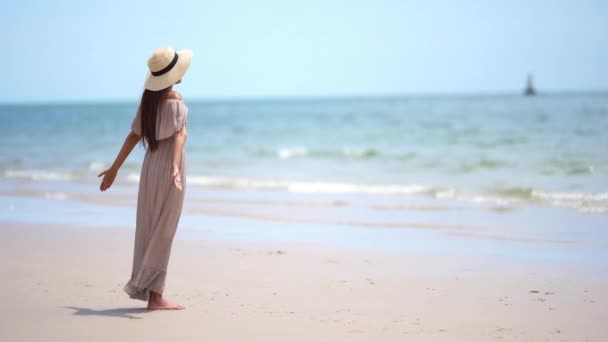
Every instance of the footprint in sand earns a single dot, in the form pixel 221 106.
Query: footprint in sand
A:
pixel 278 252
pixel 541 299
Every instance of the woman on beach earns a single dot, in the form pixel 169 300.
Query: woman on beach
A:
pixel 160 124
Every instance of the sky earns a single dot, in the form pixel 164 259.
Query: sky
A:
pixel 97 50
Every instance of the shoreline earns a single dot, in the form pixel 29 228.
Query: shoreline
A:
pixel 525 235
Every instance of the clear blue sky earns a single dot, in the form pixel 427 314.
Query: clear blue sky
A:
pixel 97 50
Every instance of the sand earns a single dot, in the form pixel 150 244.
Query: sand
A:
pixel 62 283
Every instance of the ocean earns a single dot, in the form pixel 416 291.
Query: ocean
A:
pixel 499 152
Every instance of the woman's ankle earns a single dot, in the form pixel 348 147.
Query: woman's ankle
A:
pixel 155 296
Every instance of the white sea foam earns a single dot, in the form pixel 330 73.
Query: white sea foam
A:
pixel 345 188
pixel 56 196
pixel 291 152
pixel 300 151
pixel 449 193
pixel 38 175
pixel 594 203
pixel 307 187
pixel 133 177
pixel 594 210
pixel 238 183
pixel 486 200
pixel 571 196
pixel 96 166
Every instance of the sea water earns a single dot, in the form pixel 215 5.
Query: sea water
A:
pixel 549 150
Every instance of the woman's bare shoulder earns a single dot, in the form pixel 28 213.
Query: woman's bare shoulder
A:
pixel 173 95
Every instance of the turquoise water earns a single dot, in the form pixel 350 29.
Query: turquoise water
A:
pixel 491 150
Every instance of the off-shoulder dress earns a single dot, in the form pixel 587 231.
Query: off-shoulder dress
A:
pixel 159 203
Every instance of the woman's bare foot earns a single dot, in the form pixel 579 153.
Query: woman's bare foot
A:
pixel 157 302
pixel 164 305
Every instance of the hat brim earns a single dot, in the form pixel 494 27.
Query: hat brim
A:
pixel 156 83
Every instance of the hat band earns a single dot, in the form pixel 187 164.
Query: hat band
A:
pixel 167 68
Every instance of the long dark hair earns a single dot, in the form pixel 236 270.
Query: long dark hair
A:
pixel 148 108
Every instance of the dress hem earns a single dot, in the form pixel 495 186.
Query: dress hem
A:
pixel 146 280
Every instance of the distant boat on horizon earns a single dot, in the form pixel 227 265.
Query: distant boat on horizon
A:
pixel 530 90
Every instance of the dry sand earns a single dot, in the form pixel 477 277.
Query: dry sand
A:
pixel 62 283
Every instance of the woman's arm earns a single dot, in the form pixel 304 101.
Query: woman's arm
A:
pixel 178 147
pixel 110 174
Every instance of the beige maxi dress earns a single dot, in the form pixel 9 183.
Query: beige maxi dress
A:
pixel 159 203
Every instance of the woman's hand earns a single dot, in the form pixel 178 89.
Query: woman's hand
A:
pixel 177 178
pixel 110 174
pixel 108 178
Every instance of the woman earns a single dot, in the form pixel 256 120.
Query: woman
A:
pixel 160 124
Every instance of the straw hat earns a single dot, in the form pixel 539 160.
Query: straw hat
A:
pixel 165 67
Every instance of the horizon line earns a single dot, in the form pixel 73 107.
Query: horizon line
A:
pixel 317 97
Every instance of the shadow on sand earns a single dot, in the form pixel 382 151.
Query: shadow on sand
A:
pixel 118 312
